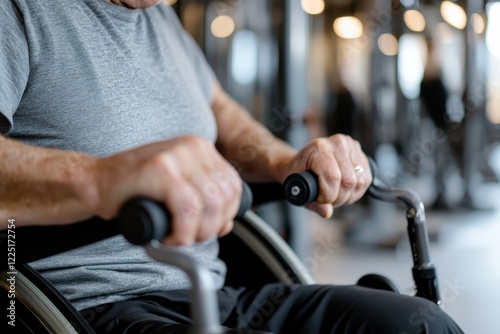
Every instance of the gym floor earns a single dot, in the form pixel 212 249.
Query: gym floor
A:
pixel 464 247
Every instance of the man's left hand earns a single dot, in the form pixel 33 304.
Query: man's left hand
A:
pixel 342 168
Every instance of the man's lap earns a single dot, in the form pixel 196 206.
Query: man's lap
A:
pixel 279 308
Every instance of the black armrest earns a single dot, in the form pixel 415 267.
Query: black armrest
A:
pixel 37 242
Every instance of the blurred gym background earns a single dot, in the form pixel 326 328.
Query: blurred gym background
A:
pixel 417 83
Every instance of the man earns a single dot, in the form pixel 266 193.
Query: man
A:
pixel 101 101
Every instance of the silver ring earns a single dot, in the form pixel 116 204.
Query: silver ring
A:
pixel 359 169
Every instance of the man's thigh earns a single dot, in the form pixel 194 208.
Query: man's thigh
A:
pixel 324 309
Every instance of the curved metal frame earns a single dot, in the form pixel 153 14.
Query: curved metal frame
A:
pixel 280 258
pixel 424 272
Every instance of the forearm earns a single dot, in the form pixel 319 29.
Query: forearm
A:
pixel 250 147
pixel 42 186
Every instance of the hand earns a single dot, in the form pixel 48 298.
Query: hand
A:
pixel 200 189
pixel 334 160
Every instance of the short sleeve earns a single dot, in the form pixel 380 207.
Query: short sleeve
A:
pixel 14 62
pixel 206 74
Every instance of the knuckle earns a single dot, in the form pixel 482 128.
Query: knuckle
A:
pixel 349 181
pixel 189 206
pixel 229 182
pixel 216 204
pixel 222 177
pixel 162 162
pixel 210 190
pixel 339 139
pixel 332 176
pixel 320 143
pixel 194 140
pixel 197 143
pixel 361 183
pixel 192 209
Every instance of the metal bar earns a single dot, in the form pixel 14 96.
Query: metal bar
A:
pixel 204 306
pixel 424 273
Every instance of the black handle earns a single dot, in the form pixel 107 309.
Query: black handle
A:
pixel 141 220
pixel 302 188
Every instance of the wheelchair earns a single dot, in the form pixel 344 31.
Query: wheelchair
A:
pixel 41 308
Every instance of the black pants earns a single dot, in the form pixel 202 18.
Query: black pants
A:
pixel 278 308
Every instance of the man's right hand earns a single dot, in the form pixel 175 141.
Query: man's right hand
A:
pixel 198 186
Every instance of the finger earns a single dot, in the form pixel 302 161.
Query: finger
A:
pixel 231 186
pixel 226 228
pixel 329 178
pixel 323 164
pixel 364 177
pixel 348 175
pixel 213 205
pixel 186 207
pixel 222 193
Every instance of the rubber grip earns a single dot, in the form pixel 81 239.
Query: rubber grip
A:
pixel 141 220
pixel 301 188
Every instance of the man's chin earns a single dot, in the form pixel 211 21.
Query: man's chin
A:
pixel 135 4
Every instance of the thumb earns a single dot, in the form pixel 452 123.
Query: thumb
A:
pixel 323 210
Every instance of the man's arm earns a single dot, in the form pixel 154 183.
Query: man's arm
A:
pixel 43 186
pixel 259 156
pixel 246 144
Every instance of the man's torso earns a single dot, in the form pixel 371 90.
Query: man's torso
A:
pixel 102 79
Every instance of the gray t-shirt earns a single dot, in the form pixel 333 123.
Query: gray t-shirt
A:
pixel 90 76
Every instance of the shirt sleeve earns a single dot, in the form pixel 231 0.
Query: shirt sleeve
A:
pixel 14 62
